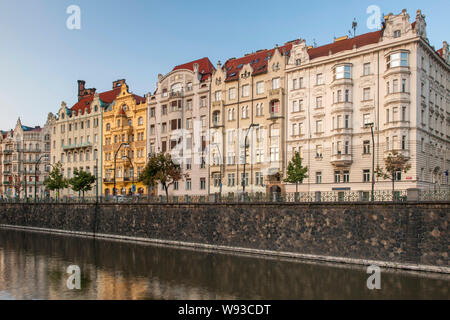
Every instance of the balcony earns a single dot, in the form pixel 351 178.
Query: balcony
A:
pixel 7 151
pixel 397 70
pixel 405 153
pixel 7 183
pixel 342 107
pixel 176 94
pixel 28 161
pixel 274 115
pixel 342 82
pixel 218 104
pixel 397 97
pixel 7 161
pixel 276 93
pixel 341 160
pixel 77 146
pixel 108 180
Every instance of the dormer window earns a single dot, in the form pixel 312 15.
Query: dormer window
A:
pixel 397 33
pixel 298 62
pixel 164 93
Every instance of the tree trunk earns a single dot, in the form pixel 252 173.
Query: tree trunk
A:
pixel 167 193
pixel 296 187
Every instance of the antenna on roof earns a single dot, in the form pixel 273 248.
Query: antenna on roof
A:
pixel 354 26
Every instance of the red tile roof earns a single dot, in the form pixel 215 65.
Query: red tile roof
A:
pixel 258 61
pixel 441 52
pixel 107 97
pixel 205 67
pixel 343 45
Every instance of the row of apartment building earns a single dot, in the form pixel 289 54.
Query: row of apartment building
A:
pixel 237 125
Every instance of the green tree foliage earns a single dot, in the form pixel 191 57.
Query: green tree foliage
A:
pixel 296 173
pixel 82 181
pixel 161 169
pixel 56 180
pixel 395 162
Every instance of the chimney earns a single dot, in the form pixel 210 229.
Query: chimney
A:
pixel 118 83
pixel 81 88
pixel 196 66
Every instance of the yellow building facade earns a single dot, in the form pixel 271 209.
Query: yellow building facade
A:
pixel 124 143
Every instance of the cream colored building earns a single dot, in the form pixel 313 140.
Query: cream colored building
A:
pixel 178 123
pixel 25 160
pixel 249 100
pixel 77 134
pixel 393 78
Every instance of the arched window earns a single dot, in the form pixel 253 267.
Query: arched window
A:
pixel 176 87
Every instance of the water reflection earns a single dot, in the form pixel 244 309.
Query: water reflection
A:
pixel 33 266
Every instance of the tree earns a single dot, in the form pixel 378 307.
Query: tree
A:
pixel 296 173
pixel 161 168
pixel 56 180
pixel 82 181
pixel 17 184
pixel 395 162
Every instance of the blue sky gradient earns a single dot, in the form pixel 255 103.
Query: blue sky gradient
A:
pixel 41 60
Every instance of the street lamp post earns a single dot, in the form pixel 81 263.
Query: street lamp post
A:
pixel 371 125
pixel 245 156
pixel 126 145
pixel 36 165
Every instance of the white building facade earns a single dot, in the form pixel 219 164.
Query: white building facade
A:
pixel 391 79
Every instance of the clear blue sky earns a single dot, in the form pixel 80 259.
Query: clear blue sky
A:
pixel 41 60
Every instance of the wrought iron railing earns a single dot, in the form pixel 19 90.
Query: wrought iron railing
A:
pixel 338 197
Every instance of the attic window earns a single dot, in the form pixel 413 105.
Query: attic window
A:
pixel 233 74
pixel 298 62
pixel 397 33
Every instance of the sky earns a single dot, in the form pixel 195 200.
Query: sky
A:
pixel 41 59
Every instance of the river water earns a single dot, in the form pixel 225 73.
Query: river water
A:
pixel 34 266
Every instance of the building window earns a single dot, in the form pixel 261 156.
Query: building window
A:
pixel 337 177
pixel 397 33
pixel 232 93
pixel 319 79
pixel 301 83
pixel 366 71
pixel 260 87
pixel 188 184
pixel 343 72
pixel 231 180
pixel 245 90
pixel 244 179
pixel 397 59
pixel 366 119
pixel 318 102
pixel 366 147
pixel 366 175
pixel 346 176
pixel 319 126
pixel 319 177
pixel 366 94
pixel 275 83
pixel 319 153
pixel 202 183
pixel 218 96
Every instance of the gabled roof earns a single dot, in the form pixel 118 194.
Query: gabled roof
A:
pixel 258 61
pixel 344 45
pixel 106 97
pixel 205 67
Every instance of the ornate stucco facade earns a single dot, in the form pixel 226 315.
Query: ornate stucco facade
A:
pixel 178 123
pixel 25 160
pixel 77 135
pixel 249 99
pixel 392 78
pixel 124 142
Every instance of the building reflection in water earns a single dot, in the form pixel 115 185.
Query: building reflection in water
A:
pixel 33 266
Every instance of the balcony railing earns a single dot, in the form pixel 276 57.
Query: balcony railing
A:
pixel 7 151
pixel 77 146
pixel 341 160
